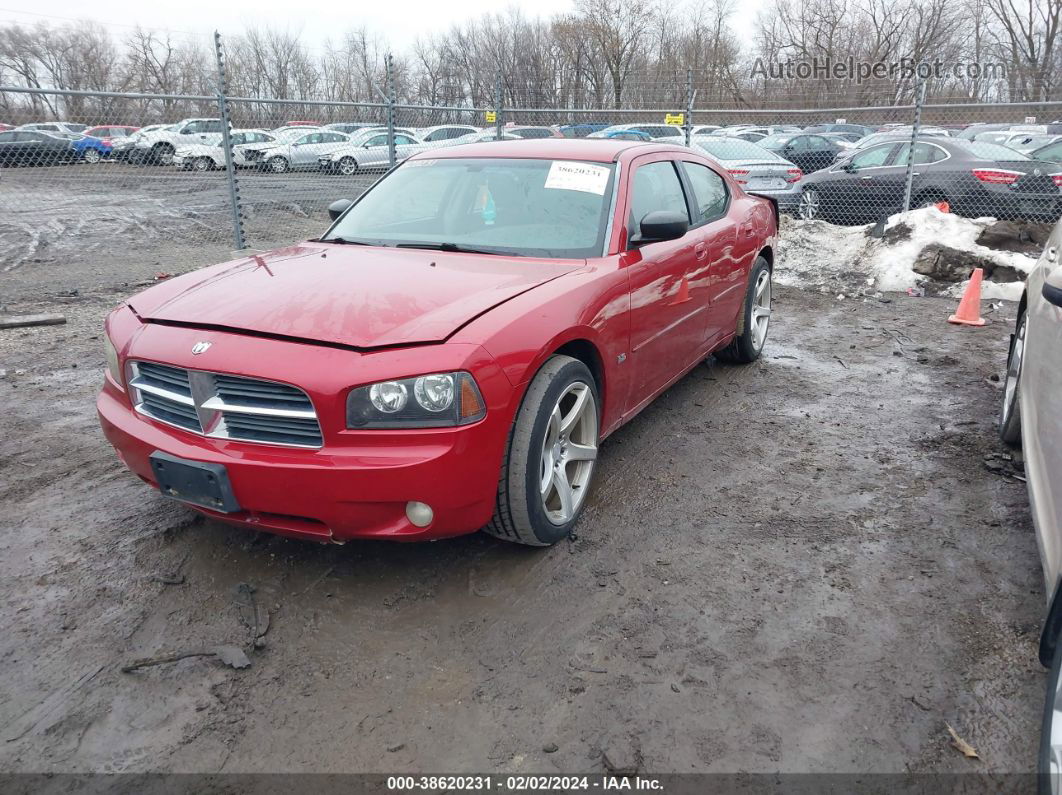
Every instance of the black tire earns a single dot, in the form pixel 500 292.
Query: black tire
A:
pixel 161 154
pixel 347 166
pixel 277 165
pixel 202 164
pixel 1010 416
pixel 520 515
pixel 1043 765
pixel 747 346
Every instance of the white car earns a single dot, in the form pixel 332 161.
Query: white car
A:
pixel 444 134
pixel 55 127
pixel 1032 417
pixel 369 151
pixel 294 149
pixel 159 145
pixel 210 154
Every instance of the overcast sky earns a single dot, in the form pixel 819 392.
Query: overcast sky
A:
pixel 398 21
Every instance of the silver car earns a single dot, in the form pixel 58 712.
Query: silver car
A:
pixel 756 169
pixel 368 151
pixel 294 151
pixel 211 154
pixel 1032 417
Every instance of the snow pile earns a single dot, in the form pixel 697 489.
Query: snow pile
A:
pixel 847 259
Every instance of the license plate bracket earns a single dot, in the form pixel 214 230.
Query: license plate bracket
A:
pixel 195 482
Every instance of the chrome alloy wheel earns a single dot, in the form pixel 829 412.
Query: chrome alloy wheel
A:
pixel 569 451
pixel 809 204
pixel 761 309
pixel 1010 386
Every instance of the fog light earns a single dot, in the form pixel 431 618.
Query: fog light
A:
pixel 419 514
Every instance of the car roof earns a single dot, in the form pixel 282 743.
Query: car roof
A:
pixel 595 150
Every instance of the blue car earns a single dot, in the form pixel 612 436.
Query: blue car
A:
pixel 627 135
pixel 89 149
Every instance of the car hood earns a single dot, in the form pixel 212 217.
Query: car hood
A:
pixel 362 297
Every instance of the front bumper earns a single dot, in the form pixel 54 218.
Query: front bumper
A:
pixel 357 485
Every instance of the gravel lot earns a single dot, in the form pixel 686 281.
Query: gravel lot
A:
pixel 799 565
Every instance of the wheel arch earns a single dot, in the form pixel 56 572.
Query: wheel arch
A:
pixel 767 252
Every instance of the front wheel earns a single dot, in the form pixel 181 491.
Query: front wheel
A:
pixel 1010 417
pixel 278 165
pixel 347 166
pixel 549 463
pixel 202 164
pixel 92 156
pixel 755 318
pixel 162 154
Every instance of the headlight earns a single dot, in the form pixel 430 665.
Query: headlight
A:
pixel 112 361
pixel 427 401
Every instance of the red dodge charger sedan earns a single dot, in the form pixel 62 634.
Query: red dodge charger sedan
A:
pixel 450 353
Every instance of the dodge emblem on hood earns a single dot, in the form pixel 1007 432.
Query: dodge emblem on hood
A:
pixel 200 347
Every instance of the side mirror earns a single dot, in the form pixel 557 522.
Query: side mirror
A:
pixel 661 225
pixel 338 207
pixel 847 166
pixel 1053 283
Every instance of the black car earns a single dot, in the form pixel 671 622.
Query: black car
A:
pixel 809 152
pixel 32 148
pixel 975 178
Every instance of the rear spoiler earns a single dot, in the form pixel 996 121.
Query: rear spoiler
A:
pixel 774 206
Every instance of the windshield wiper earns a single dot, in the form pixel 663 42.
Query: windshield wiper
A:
pixel 347 241
pixel 456 248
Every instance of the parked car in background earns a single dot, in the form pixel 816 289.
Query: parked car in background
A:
pixel 626 135
pixel 121 147
pixel 971 131
pixel 808 152
pixel 302 124
pixel 976 178
pixel 6 127
pixel 1021 141
pixel 157 146
pixel 899 133
pixel 656 132
pixel 348 127
pixel 846 140
pixel 582 129
pixel 757 170
pixel 450 353
pixel 487 135
pixel 369 151
pixel 88 148
pixel 34 148
pixel 211 154
pixel 530 133
pixel 295 152
pixel 444 134
pixel 110 133
pixel 858 130
pixel 1032 418
pixel 748 132
pixel 54 127
pixel 1052 153
pixel 704 129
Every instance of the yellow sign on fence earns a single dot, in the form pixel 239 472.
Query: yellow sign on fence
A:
pixel 490 116
pixel 675 118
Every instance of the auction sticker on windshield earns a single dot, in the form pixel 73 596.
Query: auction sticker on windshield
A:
pixel 568 175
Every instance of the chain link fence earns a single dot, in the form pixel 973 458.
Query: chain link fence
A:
pixel 164 183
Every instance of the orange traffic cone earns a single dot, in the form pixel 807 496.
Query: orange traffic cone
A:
pixel 683 294
pixel 944 207
pixel 969 311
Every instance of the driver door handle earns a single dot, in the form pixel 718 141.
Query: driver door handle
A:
pixel 867 178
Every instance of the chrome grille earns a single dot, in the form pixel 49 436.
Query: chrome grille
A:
pixel 225 406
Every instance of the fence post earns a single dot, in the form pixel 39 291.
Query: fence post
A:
pixel 390 68
pixel 920 99
pixel 226 145
pixel 498 100
pixel 688 126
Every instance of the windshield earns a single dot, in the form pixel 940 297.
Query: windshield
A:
pixel 537 208
pixel 732 148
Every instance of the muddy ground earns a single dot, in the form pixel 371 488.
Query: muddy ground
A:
pixel 800 565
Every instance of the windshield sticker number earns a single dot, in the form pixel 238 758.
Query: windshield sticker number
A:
pixel 585 177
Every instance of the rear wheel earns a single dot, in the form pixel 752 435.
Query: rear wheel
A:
pixel 1010 417
pixel 810 207
pixel 347 166
pixel 549 463
pixel 755 318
